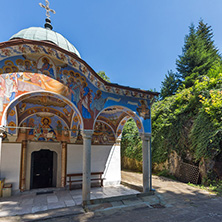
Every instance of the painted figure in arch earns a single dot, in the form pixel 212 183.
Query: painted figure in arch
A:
pixel 59 128
pixel 66 131
pixel 47 132
pixel 46 66
pixel 74 87
pixel 144 110
pixel 98 103
pixel 11 86
pixel 28 66
pixel 2 92
pixel 7 69
pixel 85 101
pixel 32 125
pixel 20 65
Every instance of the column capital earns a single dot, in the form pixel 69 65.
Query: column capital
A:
pixel 118 140
pixel 145 136
pixel 87 134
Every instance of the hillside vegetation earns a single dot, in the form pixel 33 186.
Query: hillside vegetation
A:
pixel 187 118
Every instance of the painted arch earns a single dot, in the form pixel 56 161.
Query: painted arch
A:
pixel 31 71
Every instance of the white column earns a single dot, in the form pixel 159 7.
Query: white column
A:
pixel 147 162
pixel 86 182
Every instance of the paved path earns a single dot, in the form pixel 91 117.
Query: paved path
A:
pixel 178 202
pixel 181 203
pixel 173 192
pixel 30 203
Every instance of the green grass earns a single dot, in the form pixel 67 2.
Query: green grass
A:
pixel 215 187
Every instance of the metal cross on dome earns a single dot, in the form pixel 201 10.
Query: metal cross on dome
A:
pixel 46 7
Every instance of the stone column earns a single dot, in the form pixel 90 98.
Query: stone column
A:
pixel 147 164
pixel 23 166
pixel 64 163
pixel 86 180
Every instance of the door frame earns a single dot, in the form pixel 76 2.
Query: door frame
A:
pixel 30 147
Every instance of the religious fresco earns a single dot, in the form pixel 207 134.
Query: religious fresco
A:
pixel 33 49
pixel 115 115
pixel 103 135
pixel 121 125
pixel 44 127
pixel 77 98
pixel 12 121
pixel 143 110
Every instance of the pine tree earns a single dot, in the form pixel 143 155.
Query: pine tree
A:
pixel 170 85
pixel 199 54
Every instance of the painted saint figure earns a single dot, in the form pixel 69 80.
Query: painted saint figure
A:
pixel 85 101
pixel 143 110
pixel 59 128
pixel 2 92
pixel 11 86
pixel 47 68
pixel 47 132
pixel 98 103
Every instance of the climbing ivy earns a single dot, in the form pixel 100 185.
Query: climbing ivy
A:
pixel 189 122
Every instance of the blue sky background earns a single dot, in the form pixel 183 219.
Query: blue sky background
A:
pixel 134 41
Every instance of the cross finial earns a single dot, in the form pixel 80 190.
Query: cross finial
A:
pixel 46 7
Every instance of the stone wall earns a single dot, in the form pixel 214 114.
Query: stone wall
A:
pixel 131 164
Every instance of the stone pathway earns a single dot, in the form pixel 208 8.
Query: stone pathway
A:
pixel 171 192
pixel 30 203
pixel 173 201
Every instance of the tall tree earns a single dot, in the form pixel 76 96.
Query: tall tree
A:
pixel 199 54
pixel 170 85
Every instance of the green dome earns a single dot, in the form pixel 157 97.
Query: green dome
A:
pixel 43 34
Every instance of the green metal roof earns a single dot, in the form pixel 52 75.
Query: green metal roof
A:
pixel 43 34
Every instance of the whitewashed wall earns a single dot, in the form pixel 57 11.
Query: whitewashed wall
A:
pixel 104 158
pixel 10 167
pixel 112 173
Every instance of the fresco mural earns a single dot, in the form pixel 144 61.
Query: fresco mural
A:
pixel 103 135
pixel 121 125
pixel 78 99
pixel 115 115
pixel 43 127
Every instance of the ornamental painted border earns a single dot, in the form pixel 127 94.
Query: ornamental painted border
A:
pixel 29 48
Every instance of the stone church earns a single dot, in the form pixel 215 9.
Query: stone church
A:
pixel 57 116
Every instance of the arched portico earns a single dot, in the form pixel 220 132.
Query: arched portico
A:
pixel 51 95
pixel 114 116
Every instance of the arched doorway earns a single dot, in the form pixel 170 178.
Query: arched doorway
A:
pixel 43 169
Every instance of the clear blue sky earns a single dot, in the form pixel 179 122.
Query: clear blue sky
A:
pixel 134 41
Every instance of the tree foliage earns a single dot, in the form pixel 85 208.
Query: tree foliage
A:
pixel 169 85
pixel 199 54
pixel 131 144
pixel 188 119
pixel 189 122
pixel 103 75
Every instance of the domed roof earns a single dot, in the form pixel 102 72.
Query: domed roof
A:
pixel 43 34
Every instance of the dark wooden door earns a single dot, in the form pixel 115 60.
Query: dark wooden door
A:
pixel 42 169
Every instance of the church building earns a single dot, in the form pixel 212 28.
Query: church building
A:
pixel 58 117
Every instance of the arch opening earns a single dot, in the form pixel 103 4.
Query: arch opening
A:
pixel 42 116
pixel 116 117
